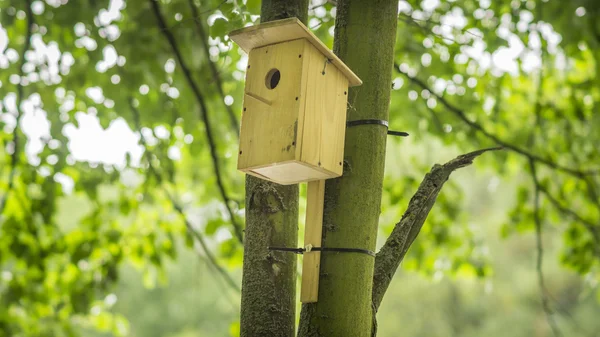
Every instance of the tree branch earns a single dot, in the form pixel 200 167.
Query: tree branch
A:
pixel 213 68
pixel 540 253
pixel 462 116
pixel 204 115
pixel 211 258
pixel 405 232
pixel 14 157
pixel 589 225
pixel 332 2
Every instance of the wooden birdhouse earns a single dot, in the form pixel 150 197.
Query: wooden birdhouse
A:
pixel 294 120
pixel 294 112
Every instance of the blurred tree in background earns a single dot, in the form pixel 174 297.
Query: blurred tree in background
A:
pixel 120 205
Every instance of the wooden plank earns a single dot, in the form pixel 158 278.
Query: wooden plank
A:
pixel 333 150
pixel 324 115
pixel 274 32
pixel 303 85
pixel 311 263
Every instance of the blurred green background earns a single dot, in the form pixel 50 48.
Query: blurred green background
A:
pixel 112 222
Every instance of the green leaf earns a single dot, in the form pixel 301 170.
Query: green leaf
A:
pixel 213 225
pixel 220 28
pixel 253 6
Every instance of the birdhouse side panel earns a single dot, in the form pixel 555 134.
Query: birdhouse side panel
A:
pixel 324 126
pixel 269 126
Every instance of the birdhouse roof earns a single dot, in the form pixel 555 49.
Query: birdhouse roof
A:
pixel 278 31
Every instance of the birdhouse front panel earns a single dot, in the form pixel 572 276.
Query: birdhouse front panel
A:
pixel 294 113
pixel 269 126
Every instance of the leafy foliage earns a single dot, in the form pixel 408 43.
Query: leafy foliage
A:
pixel 99 106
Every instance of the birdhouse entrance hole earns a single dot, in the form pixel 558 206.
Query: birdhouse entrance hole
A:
pixel 272 79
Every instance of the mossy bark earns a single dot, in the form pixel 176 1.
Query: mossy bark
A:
pixel 269 278
pixel 365 33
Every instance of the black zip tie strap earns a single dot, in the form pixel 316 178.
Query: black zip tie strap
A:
pixel 376 122
pixel 324 249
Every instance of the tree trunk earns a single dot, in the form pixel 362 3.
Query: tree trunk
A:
pixel 365 34
pixel 269 278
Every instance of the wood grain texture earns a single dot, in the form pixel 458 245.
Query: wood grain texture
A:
pixel 292 172
pixel 269 131
pixel 274 32
pixel 294 132
pixel 324 114
pixel 311 263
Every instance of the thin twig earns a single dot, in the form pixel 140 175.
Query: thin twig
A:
pixel 213 68
pixel 589 225
pixel 540 254
pixel 200 239
pixel 14 157
pixel 147 153
pixel 317 25
pixel 197 16
pixel 334 3
pixel 410 20
pixel 462 116
pixel 204 115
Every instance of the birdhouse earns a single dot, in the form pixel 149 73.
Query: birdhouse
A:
pixel 294 111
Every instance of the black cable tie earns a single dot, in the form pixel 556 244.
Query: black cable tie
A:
pixel 397 133
pixel 325 249
pixel 376 122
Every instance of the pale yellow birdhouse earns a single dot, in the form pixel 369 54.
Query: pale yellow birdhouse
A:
pixel 294 112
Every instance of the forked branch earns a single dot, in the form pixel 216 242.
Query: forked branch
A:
pixel 406 230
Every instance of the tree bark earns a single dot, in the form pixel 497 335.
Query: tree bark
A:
pixel 269 278
pixel 365 34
